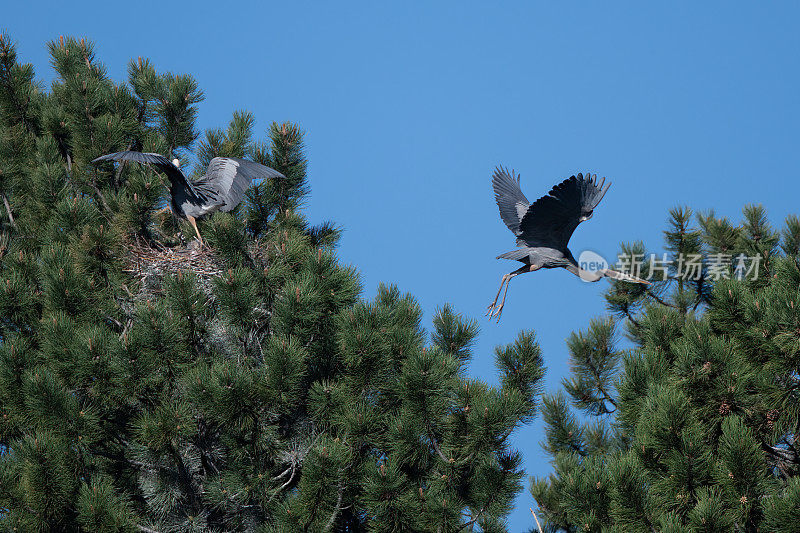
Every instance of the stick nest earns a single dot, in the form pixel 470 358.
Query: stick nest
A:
pixel 150 263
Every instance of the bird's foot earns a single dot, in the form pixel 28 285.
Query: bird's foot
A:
pixel 494 311
pixel 497 312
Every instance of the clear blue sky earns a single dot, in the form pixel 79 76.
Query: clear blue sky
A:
pixel 408 110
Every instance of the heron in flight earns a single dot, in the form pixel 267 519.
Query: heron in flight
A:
pixel 544 227
pixel 221 188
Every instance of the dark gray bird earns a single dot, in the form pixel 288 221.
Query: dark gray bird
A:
pixel 544 227
pixel 221 188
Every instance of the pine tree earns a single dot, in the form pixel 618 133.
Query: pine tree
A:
pixel 696 427
pixel 245 388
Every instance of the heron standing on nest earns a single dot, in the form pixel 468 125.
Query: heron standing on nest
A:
pixel 544 228
pixel 221 188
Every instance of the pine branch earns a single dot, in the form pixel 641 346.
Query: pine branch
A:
pixel 286 484
pixel 631 318
pixel 659 300
pixel 786 460
pixel 101 197
pixel 336 509
pixel 436 446
pixel 8 211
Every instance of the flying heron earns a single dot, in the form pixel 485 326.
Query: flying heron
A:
pixel 544 227
pixel 221 188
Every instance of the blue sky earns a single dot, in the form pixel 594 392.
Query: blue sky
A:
pixel 407 111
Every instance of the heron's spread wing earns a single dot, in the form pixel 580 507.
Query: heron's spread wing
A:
pixel 158 161
pixel 551 220
pixel 509 197
pixel 227 179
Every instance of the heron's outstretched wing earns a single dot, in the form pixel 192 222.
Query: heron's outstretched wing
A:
pixel 158 161
pixel 227 179
pixel 551 220
pixel 509 197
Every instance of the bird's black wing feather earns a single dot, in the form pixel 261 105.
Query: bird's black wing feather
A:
pixel 509 197
pixel 228 178
pixel 158 161
pixel 551 220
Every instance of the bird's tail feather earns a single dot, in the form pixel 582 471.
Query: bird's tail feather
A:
pixel 514 255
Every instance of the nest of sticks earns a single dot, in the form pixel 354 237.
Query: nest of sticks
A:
pixel 149 263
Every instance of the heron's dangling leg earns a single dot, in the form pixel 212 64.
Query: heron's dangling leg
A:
pixel 494 309
pixel 194 225
pixel 491 307
pixel 499 309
